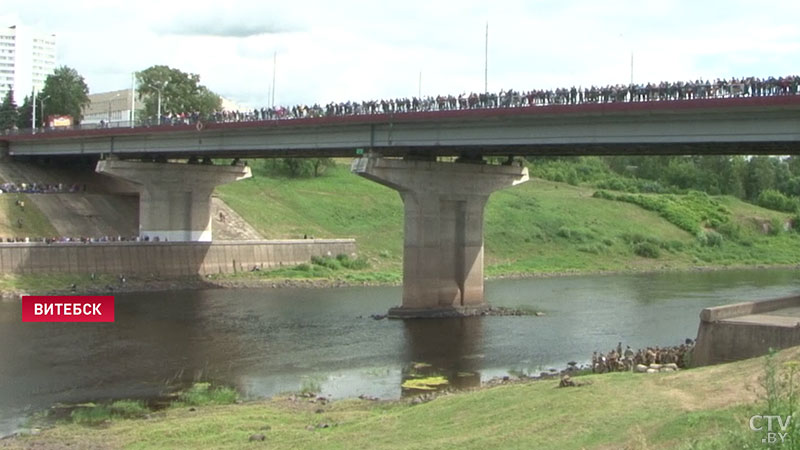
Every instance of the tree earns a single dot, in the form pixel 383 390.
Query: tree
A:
pixel 24 114
pixel 180 92
pixel 8 112
pixel 298 167
pixel 65 93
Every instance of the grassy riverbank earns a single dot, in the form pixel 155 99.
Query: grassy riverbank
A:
pixel 705 408
pixel 539 227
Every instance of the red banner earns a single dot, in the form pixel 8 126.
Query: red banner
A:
pixel 68 308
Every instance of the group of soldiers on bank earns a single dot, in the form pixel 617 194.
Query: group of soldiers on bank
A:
pixel 619 360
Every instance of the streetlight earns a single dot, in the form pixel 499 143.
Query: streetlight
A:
pixel 159 99
pixel 41 104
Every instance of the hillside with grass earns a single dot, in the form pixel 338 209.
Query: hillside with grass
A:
pixel 539 227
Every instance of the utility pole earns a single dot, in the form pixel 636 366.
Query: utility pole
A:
pixel 419 93
pixel 486 61
pixel 631 67
pixel 274 65
pixel 133 99
pixel 33 112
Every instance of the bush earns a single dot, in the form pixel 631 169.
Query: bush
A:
pixel 330 263
pixel 202 394
pixel 647 250
pixel 775 226
pixel 772 199
pixel 129 409
pixel 709 238
pixel 91 415
pixel 575 234
pixel 730 230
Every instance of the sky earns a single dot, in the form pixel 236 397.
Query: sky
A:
pixel 357 50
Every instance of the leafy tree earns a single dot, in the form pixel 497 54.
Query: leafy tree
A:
pixel 298 167
pixel 64 93
pixel 760 176
pixel 180 92
pixel 24 114
pixel 8 112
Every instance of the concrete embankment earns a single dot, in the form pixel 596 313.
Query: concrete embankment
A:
pixel 164 258
pixel 744 330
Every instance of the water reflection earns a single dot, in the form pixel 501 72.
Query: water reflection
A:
pixel 451 348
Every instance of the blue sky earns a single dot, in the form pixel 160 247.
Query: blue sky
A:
pixel 334 51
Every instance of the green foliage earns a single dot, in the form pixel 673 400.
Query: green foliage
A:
pixel 65 93
pixel 341 261
pixel 647 250
pixel 203 394
pixel 129 409
pixel 91 415
pixel 773 199
pixel 24 113
pixel 297 167
pixel 575 234
pixel 709 238
pixel 180 92
pixel 9 115
pixel 688 212
pixel 775 226
pixel 310 385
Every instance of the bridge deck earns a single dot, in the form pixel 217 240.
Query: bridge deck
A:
pixel 748 125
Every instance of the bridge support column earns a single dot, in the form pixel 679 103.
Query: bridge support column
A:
pixel 174 199
pixel 443 242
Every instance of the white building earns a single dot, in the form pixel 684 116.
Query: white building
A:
pixel 110 107
pixel 27 57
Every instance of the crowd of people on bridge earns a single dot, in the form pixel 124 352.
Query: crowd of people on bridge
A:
pixel 619 360
pixel 575 95
pixel 650 92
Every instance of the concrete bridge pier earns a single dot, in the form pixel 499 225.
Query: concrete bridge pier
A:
pixel 443 235
pixel 174 198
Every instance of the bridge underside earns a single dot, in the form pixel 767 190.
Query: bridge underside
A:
pixel 654 149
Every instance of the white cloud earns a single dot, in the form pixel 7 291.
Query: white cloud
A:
pixel 364 49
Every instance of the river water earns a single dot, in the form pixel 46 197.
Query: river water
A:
pixel 267 341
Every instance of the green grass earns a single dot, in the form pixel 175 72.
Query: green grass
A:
pixel 701 408
pixel 539 227
pixel 203 394
pixel 34 223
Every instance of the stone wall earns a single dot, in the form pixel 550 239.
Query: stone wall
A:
pixel 164 258
pixel 746 330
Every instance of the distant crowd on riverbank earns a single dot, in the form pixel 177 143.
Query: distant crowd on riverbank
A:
pixel 82 239
pixel 40 188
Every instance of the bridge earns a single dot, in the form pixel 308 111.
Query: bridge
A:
pixel 443 201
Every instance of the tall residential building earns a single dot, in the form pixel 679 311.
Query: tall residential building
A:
pixel 27 57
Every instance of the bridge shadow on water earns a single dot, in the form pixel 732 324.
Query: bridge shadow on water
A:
pixel 439 351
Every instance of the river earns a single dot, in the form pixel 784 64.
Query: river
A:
pixel 267 341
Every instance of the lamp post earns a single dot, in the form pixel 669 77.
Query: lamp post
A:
pixel 41 104
pixel 159 90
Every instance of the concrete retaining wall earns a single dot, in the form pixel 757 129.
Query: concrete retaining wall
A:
pixel 164 258
pixel 745 330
